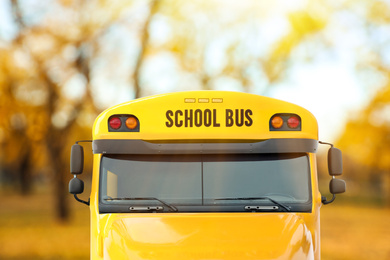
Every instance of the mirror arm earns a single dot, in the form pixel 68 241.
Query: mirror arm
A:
pixel 325 201
pixel 331 145
pixel 84 141
pixel 80 200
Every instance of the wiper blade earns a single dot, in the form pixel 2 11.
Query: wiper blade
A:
pixel 287 208
pixel 171 207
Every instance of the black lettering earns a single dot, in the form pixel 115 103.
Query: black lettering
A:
pixel 239 117
pixel 198 118
pixel 207 117
pixel 188 118
pixel 215 123
pixel 229 118
pixel 168 114
pixel 249 120
pixel 178 123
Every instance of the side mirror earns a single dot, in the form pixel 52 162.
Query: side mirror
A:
pixel 335 167
pixel 335 162
pixel 337 186
pixel 76 159
pixel 76 186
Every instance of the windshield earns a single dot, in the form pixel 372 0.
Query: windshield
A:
pixel 204 182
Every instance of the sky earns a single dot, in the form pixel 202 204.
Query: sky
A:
pixel 330 91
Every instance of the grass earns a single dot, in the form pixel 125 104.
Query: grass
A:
pixel 28 230
pixel 355 232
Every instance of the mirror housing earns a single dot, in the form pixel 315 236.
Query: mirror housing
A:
pixel 76 159
pixel 76 186
pixel 337 186
pixel 335 162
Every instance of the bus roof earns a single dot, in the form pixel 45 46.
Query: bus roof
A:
pixel 204 115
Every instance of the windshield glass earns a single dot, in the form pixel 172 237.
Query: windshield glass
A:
pixel 204 180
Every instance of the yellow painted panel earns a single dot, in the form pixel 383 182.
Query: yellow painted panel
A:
pixel 207 236
pixel 225 115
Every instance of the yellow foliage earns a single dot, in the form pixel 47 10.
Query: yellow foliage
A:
pixel 303 23
pixel 379 12
pixel 366 137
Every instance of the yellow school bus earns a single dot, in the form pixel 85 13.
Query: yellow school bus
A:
pixel 205 175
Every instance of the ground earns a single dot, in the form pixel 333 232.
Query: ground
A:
pixel 28 230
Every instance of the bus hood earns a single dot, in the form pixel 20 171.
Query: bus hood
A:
pixel 208 236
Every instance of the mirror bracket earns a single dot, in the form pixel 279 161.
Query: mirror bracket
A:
pixel 80 200
pixel 325 201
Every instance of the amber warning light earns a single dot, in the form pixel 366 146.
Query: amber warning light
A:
pixel 285 122
pixel 123 123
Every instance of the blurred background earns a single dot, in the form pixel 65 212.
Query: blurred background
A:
pixel 62 62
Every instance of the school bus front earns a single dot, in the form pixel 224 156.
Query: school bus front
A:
pixel 205 175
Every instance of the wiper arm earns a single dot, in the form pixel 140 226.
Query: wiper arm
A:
pixel 287 208
pixel 171 207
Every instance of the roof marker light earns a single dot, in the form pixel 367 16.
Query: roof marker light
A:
pixel 189 100
pixel 217 100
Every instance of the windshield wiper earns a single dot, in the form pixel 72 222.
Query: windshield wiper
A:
pixel 287 208
pixel 171 207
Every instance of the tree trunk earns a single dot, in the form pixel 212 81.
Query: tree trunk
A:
pixel 62 205
pixel 55 145
pixel 144 42
pixel 386 187
pixel 25 171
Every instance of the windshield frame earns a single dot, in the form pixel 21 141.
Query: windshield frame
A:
pixel 230 205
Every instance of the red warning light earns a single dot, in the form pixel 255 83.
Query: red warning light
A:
pixel 293 122
pixel 115 123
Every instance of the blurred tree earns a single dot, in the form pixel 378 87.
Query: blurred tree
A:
pixel 220 45
pixel 365 145
pixel 367 133
pixel 69 59
pixel 154 8
pixel 46 90
pixel 46 95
